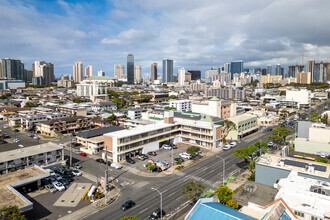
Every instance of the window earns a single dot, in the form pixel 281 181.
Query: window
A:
pixel 301 214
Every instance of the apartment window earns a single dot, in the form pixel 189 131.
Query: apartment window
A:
pixel 315 218
pixel 301 214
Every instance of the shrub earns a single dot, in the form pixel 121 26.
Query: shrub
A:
pixel 252 177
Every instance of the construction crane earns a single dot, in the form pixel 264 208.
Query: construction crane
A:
pixel 302 56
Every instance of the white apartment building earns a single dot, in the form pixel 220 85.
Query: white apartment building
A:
pixel 146 78
pixel 119 71
pixel 181 105
pixel 78 71
pixel 137 74
pixel 100 73
pixel 215 107
pixel 29 121
pixel 301 98
pixel 87 89
pixel 88 71
pixel 101 106
pixel 181 76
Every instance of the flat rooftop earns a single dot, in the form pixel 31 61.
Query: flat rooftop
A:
pixel 243 117
pixel 28 151
pixel 295 164
pixel 9 197
pixel 99 131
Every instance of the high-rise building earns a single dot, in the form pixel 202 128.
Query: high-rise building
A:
pixel 28 74
pixel 264 71
pixel 227 68
pixel 279 70
pixel 146 78
pixel 310 68
pixel 236 67
pixel 181 76
pixel 100 73
pixel 195 74
pixel 119 71
pixel 294 70
pixel 153 72
pixel 78 72
pixel 45 70
pixel 130 68
pixel 269 70
pixel 11 69
pixel 167 71
pixel 137 74
pixel 88 71
pixel 321 72
pixel 257 70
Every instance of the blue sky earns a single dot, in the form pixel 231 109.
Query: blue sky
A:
pixel 195 34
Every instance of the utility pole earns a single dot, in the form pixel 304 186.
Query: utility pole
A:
pixel 223 170
pixel 106 175
pixel 161 202
pixel 172 161
pixel 71 150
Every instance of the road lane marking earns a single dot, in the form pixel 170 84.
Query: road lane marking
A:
pixel 171 194
pixel 143 210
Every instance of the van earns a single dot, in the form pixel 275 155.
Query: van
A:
pixel 116 165
pixel 162 165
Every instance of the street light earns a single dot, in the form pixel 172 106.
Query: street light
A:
pixel 71 139
pixel 161 201
pixel 223 169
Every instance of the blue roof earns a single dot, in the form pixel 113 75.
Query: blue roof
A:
pixel 217 211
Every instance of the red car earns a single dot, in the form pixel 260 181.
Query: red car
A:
pixel 83 154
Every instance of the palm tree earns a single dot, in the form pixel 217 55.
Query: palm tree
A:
pixel 229 126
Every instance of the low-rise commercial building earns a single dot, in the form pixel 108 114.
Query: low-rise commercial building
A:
pixel 11 84
pixel 245 124
pixel 300 98
pixel 215 107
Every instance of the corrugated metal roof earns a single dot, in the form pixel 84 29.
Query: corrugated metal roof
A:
pixel 99 132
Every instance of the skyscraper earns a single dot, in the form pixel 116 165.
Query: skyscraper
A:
pixel 88 71
pixel 310 68
pixel 100 73
pixel 12 69
pixel 167 71
pixel 269 70
pixel 279 70
pixel 146 78
pixel 119 71
pixel 195 74
pixel 78 71
pixel 227 67
pixel 236 67
pixel 181 76
pixel 294 70
pixel 45 70
pixel 321 72
pixel 153 72
pixel 130 68
pixel 137 74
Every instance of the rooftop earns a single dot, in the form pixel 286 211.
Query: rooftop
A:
pixel 28 151
pixel 243 117
pixel 68 119
pixel 295 164
pixel 99 132
pixel 101 78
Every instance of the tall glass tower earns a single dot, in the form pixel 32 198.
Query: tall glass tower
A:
pixel 167 71
pixel 130 69
pixel 236 67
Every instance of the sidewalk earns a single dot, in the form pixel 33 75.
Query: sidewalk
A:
pixel 93 207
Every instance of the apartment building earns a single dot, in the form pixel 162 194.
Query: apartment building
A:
pixel 54 127
pixel 226 93
pixel 298 97
pixel 72 109
pixel 215 107
pixel 29 121
pixel 269 78
pixel 143 139
pixel 181 105
pixel 101 106
pixel 41 155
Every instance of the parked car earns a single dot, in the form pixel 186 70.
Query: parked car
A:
pixel 76 172
pixel 59 186
pixel 77 165
pixel 58 177
pixel 167 147
pixel 185 155
pixel 64 181
pixel 50 188
pixel 178 158
pixel 233 144
pixel 83 154
pixel 77 152
pixel 116 165
pixel 52 179
pixel 143 157
pixel 29 134
pixel 156 214
pixel 16 140
pixel 16 130
pixel 270 144
pixel 69 177
pixel 36 137
pixel 152 153
pixel 130 160
pixel 100 160
pixel 227 147
pixel 127 205
pixel 5 126
pixel 5 135
pixel 174 146
pixel 158 169
pixel 20 145
pixel 269 129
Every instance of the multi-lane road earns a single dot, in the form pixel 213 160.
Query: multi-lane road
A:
pixel 208 172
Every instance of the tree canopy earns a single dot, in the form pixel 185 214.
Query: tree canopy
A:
pixel 245 152
pixel 192 190
pixel 31 105
pixel 193 150
pixel 229 126
pixel 224 194
pixel 11 212
pixel 282 132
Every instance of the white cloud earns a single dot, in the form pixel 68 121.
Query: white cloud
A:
pixel 127 37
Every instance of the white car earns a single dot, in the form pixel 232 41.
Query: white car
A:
pixel 185 155
pixel 59 186
pixel 167 147
pixel 76 173
pixel 233 144
pixel 16 140
pixel 20 145
pixel 77 152
pixel 270 144
pixel 36 137
pixel 116 165
pixel 227 147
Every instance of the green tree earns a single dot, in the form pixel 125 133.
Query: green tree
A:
pixel 77 100
pixel 314 116
pixel 282 132
pixel 232 203
pixel 169 108
pixel 245 152
pixel 112 119
pixel 179 162
pixel 173 97
pixel 324 119
pixel 193 150
pixel 261 144
pixel 224 194
pixel 120 102
pixel 152 167
pixel 229 126
pixel 113 93
pixel 129 218
pixel 192 190
pixel 275 138
pixel 30 105
pixel 11 212
pixel 321 160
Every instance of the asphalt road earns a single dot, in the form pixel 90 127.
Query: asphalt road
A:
pixel 208 172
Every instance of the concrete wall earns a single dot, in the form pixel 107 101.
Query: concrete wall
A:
pixel 269 175
pixel 150 147
pixel 319 134
pixel 310 147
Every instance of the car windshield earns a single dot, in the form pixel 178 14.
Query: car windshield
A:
pixel 154 213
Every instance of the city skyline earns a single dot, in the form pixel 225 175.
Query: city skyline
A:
pixel 112 29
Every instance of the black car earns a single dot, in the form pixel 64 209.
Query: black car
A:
pixel 174 146
pixel 158 169
pixel 100 160
pixel 6 136
pixel 269 129
pixel 156 214
pixel 130 160
pixel 127 205
pixel 152 153
pixel 16 130
pixel 69 177
pixel 64 181
pixel 178 158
